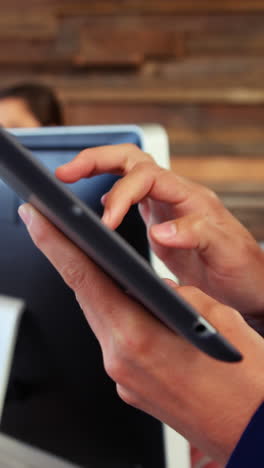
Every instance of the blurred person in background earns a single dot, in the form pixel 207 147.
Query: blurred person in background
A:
pixel 29 105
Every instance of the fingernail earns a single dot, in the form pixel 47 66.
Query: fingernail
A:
pixel 103 198
pixel 25 213
pixel 164 230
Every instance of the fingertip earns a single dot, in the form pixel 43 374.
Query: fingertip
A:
pixel 33 220
pixel 25 213
pixel 67 173
pixel 108 220
pixel 61 171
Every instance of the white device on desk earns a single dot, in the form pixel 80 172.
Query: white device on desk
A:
pixel 15 454
pixel 10 312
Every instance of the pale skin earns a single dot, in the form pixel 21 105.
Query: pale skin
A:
pixel 154 369
pixel 211 249
pixel 15 113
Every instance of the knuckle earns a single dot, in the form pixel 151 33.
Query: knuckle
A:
pixel 144 165
pixel 116 367
pixel 83 155
pixel 218 314
pixel 125 350
pixel 133 148
pixel 73 275
pixel 133 155
pixel 149 169
pixel 215 314
pixel 130 147
pixel 210 198
pixel 189 292
pixel 116 187
pixel 136 344
pixel 160 171
pixel 127 396
pixel 249 248
pixel 224 318
pixel 210 194
pixel 246 249
pixel 198 223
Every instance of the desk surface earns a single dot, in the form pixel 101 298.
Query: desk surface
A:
pixel 15 454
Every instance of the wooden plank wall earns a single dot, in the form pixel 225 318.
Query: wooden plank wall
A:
pixel 195 66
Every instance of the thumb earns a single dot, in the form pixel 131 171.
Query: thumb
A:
pixel 193 232
pixel 187 232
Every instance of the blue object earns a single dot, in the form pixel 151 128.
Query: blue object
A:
pixel 249 451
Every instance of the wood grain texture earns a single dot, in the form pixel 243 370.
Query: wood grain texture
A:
pixel 124 43
pixel 193 130
pixel 195 66
pixel 198 80
pixel 16 26
pixel 158 7
pixel 221 170
pixel 112 7
pixel 239 184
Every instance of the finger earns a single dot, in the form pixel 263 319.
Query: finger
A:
pixel 136 186
pixel 111 310
pixel 117 159
pixel 218 314
pixel 194 296
pixel 188 232
pixel 147 179
pixel 223 318
pixel 160 186
pixel 201 233
pixel 113 316
pixel 121 159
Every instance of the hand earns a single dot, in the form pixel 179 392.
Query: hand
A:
pixel 188 226
pixel 156 370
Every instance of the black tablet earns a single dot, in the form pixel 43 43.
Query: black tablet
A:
pixel 35 184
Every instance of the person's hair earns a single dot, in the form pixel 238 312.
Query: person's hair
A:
pixel 40 99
